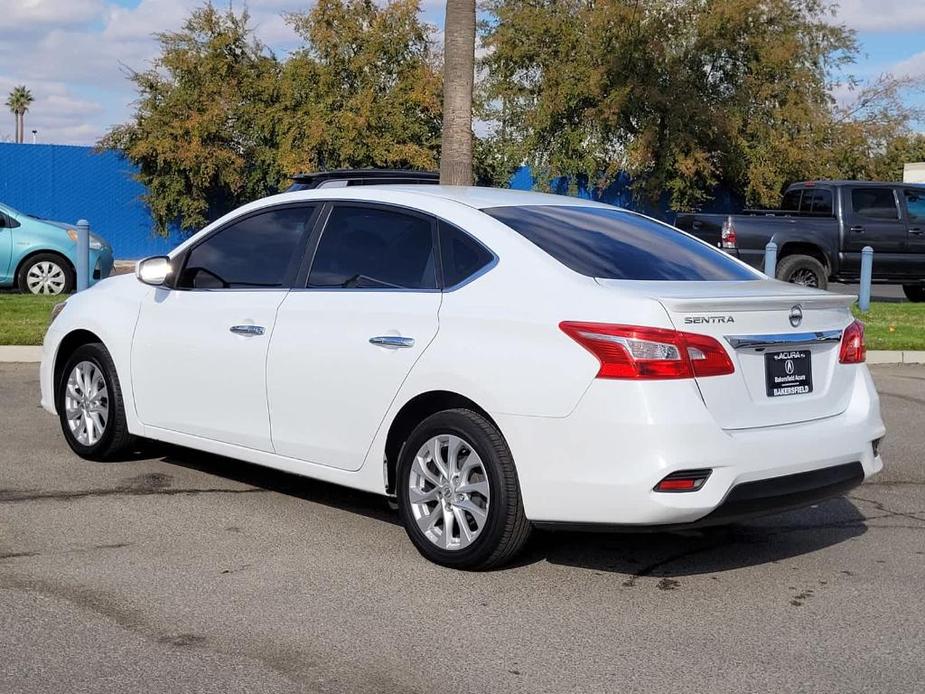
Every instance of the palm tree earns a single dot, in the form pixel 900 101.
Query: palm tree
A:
pixel 18 102
pixel 458 74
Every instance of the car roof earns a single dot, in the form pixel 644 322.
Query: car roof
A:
pixel 476 197
pixel 365 175
pixel 858 184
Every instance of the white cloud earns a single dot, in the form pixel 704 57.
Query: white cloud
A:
pixel 882 15
pixel 28 15
pixel 913 66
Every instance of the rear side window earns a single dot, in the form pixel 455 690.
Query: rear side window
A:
pixel 257 251
pixel 817 201
pixel 875 203
pixel 616 244
pixel 463 256
pixel 365 247
pixel 791 201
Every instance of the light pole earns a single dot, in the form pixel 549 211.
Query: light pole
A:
pixel 34 133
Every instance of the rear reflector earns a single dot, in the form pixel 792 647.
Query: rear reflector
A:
pixel 683 481
pixel 629 351
pixel 853 350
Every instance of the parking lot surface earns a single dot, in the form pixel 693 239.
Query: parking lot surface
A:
pixel 184 572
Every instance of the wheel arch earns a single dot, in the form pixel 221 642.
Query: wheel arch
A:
pixel 412 413
pixel 69 343
pixel 812 250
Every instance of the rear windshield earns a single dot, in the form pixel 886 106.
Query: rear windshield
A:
pixel 619 245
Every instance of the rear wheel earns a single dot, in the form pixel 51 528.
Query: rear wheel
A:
pixel 90 406
pixel 804 270
pixel 46 273
pixel 458 494
pixel 914 292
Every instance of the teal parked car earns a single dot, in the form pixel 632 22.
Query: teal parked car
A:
pixel 40 256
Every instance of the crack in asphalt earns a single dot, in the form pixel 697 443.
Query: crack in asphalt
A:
pixel 9 496
pixel 890 512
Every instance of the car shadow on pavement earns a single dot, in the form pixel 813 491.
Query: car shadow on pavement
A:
pixel 772 539
pixel 351 500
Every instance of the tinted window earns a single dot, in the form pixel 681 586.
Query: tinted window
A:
pixel 791 201
pixel 876 203
pixel 254 252
pixel 817 201
pixel 915 205
pixel 463 256
pixel 615 244
pixel 368 247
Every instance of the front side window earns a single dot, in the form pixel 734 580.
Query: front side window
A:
pixel 875 203
pixel 256 252
pixel 367 247
pixel 609 243
pixel 915 205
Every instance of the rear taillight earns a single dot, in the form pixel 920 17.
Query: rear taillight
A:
pixel 629 351
pixel 853 350
pixel 728 234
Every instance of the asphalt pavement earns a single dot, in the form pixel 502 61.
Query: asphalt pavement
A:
pixel 183 572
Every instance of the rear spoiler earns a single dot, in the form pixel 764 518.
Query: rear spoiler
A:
pixel 757 303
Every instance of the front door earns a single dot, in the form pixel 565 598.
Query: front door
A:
pixel 344 344
pixel 199 350
pixel 873 219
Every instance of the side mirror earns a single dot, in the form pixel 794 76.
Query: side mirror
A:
pixel 154 270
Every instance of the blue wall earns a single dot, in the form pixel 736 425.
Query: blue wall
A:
pixel 65 183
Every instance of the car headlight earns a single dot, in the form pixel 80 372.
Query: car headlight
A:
pixel 96 243
pixel 56 310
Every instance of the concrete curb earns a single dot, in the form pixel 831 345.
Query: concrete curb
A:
pixel 21 353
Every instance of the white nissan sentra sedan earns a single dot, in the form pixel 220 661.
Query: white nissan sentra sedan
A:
pixel 494 360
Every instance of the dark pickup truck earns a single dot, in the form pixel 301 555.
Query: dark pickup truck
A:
pixel 822 227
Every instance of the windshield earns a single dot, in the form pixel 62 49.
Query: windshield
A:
pixel 610 243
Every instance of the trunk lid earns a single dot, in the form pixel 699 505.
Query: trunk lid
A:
pixel 750 320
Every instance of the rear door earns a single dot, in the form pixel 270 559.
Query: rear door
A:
pixel 784 341
pixel 345 342
pixel 872 219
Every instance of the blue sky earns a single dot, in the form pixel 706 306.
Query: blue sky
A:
pixel 71 53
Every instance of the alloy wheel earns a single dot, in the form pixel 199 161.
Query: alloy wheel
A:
pixel 806 278
pixel 449 492
pixel 46 277
pixel 86 403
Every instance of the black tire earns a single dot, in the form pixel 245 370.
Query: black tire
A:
pixel 116 440
pixel 803 269
pixel 70 277
pixel 914 292
pixel 506 528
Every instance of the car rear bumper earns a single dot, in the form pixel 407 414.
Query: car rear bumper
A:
pixel 600 464
pixel 752 499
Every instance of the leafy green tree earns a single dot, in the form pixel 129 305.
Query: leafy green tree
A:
pixel 682 94
pixel 199 131
pixel 19 101
pixel 364 90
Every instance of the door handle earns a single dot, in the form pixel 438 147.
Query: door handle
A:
pixel 857 229
pixel 247 329
pixel 915 231
pixel 392 341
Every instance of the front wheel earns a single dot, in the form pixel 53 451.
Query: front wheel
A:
pixel 914 292
pixel 46 273
pixel 458 494
pixel 90 406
